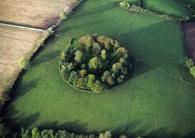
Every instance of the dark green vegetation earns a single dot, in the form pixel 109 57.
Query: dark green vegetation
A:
pixel 191 66
pixel 95 63
pixel 50 133
pixel 158 101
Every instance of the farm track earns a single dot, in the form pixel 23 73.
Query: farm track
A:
pixel 22 25
pixel 189 34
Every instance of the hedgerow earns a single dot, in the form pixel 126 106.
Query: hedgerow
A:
pixel 138 9
pixel 95 63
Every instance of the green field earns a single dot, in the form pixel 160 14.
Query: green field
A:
pixel 158 101
pixel 167 6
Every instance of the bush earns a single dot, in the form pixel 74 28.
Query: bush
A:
pixel 24 63
pixel 192 71
pixel 124 4
pixel 191 66
pixel 95 63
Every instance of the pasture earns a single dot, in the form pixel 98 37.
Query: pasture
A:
pixel 158 101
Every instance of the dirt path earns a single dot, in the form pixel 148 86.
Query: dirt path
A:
pixel 22 26
pixel 189 33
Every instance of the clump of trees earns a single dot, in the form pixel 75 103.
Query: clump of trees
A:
pixel 95 63
pixel 191 66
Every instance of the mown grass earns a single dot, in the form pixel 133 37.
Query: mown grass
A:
pixel 158 101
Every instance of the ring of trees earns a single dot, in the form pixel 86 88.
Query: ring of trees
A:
pixel 93 63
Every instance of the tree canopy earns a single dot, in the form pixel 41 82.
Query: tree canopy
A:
pixel 95 63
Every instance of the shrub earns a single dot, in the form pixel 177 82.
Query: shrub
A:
pixel 78 56
pixel 106 134
pixel 189 63
pixel 94 63
pixel 191 66
pixel 63 15
pixel 192 71
pixel 24 63
pixel 124 4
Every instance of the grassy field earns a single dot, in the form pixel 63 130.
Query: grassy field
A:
pixel 158 101
pixel 167 6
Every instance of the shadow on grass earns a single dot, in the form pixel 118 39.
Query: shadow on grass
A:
pixel 46 57
pixel 97 9
pixel 72 126
pixel 26 87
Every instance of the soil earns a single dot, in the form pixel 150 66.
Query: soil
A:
pixel 34 13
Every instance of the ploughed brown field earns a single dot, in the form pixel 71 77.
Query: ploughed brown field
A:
pixel 16 43
pixel 19 42
pixel 35 13
pixel 189 32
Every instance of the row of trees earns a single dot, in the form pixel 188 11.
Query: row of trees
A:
pixel 50 133
pixel 132 7
pixel 95 63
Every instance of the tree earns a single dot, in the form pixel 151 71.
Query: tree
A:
pixel 35 133
pixel 107 134
pixel 116 45
pixel 94 63
pixel 81 83
pixel 24 63
pixel 124 71
pixel 47 134
pixel 73 77
pixel 70 66
pixel 78 56
pixel 104 54
pixel 86 40
pixel 91 80
pixel 83 73
pixel 120 52
pixel 96 49
pixel 110 81
pixel 189 63
pixel 108 78
pixel 124 4
pixel 105 75
pixel 116 67
pixel 120 79
pixel 122 61
pixel 192 71
pixel 62 56
pixel 106 41
pixel 98 87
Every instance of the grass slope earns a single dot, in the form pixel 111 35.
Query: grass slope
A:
pixel 158 101
pixel 167 6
